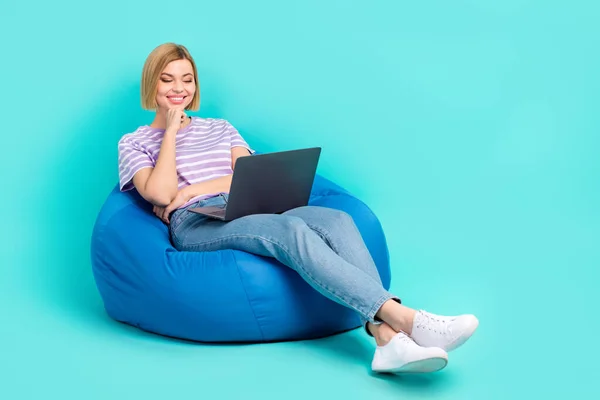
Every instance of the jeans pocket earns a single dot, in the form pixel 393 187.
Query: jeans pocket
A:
pixel 180 214
pixel 215 201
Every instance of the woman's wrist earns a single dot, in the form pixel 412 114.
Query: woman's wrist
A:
pixel 171 132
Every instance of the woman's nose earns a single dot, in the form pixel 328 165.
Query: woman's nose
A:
pixel 178 87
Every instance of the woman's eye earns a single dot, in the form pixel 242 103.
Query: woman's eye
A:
pixel 169 81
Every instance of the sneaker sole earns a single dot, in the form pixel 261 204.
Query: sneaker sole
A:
pixel 419 367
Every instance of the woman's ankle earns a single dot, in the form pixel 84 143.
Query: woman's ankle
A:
pixel 397 316
pixel 382 333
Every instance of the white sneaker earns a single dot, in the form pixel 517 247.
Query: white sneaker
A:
pixel 448 333
pixel 403 355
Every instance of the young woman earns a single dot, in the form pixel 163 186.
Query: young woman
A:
pixel 178 162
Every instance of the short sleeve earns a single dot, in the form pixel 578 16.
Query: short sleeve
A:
pixel 131 160
pixel 236 139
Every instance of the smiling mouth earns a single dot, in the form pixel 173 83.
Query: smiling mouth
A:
pixel 176 99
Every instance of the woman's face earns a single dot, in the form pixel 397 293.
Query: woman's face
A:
pixel 176 85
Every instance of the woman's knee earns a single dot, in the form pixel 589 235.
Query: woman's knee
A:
pixel 290 223
pixel 324 212
pixel 337 218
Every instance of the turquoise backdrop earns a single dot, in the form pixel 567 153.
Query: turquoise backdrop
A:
pixel 470 127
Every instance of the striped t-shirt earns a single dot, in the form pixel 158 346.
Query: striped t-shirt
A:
pixel 203 152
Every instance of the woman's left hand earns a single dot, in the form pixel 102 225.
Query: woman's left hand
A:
pixel 159 211
pixel 164 212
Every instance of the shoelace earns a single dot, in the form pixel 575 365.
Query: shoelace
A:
pixel 404 338
pixel 433 323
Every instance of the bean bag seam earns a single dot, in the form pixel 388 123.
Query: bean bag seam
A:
pixel 262 336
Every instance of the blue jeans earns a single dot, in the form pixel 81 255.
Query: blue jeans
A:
pixel 322 245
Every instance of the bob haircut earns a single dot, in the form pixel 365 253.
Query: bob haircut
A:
pixel 155 64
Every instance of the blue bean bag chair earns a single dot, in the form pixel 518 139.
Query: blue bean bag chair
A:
pixel 222 296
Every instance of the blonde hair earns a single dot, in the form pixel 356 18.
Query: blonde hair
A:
pixel 155 64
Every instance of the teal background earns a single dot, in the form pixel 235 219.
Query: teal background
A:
pixel 469 127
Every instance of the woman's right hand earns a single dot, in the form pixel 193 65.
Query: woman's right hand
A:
pixel 175 117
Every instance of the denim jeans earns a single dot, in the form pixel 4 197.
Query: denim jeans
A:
pixel 322 245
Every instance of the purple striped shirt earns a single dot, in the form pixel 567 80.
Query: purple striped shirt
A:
pixel 203 152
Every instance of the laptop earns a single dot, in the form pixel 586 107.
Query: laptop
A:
pixel 269 183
